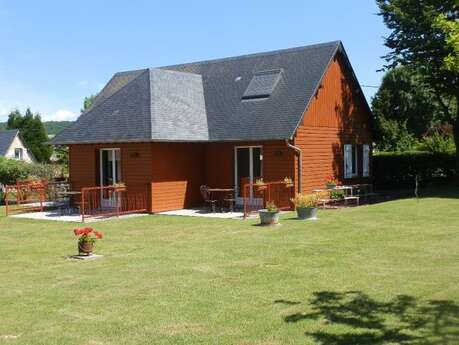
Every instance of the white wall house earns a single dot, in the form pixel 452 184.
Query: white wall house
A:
pixel 12 146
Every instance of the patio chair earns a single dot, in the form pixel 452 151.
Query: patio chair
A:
pixel 206 195
pixel 230 200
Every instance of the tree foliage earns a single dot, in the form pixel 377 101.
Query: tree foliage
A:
pixel 403 98
pixel 87 102
pixel 33 132
pixel 424 37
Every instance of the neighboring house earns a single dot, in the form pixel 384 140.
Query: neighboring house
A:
pixel 297 112
pixel 13 146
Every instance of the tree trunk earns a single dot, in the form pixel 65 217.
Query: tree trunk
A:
pixel 456 138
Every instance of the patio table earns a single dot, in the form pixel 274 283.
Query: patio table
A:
pixel 67 195
pixel 220 191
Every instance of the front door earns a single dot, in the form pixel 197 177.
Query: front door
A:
pixel 247 168
pixel 110 173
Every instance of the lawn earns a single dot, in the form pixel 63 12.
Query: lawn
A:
pixel 380 274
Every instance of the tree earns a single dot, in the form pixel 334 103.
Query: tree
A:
pixel 403 104
pixel 88 102
pixel 33 131
pixel 423 38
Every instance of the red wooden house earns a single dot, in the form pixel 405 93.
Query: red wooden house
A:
pixel 297 112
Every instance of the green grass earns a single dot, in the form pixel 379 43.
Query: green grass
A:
pixel 380 274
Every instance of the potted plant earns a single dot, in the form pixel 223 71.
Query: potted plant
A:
pixel 331 182
pixel 305 205
pixel 260 184
pixel 269 215
pixel 288 182
pixel 119 187
pixel 86 239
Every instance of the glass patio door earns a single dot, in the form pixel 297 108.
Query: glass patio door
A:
pixel 247 167
pixel 110 173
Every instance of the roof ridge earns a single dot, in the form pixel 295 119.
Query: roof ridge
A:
pixel 244 56
pixel 9 130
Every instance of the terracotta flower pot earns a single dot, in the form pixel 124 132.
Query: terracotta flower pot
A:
pixel 85 247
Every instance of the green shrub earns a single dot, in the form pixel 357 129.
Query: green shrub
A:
pixel 437 143
pixel 12 170
pixel 398 169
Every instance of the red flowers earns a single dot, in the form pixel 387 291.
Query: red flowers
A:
pixel 87 234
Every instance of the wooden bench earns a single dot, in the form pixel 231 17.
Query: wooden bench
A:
pixel 356 199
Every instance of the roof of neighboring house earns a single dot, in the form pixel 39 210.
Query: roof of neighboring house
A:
pixel 6 139
pixel 251 97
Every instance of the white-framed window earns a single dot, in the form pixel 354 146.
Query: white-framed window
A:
pixel 350 160
pixel 366 160
pixel 18 153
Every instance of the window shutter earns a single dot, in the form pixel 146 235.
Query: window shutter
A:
pixel 366 160
pixel 347 161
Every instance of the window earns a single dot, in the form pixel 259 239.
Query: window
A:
pixel 366 160
pixel 350 161
pixel 18 154
pixel 262 84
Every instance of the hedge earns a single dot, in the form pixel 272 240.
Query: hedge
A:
pixel 393 169
pixel 12 170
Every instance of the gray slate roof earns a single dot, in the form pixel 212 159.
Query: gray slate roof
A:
pixel 203 101
pixel 6 139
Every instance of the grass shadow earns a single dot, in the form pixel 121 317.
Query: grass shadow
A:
pixel 402 320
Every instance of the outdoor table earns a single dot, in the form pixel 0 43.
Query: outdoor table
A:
pixel 220 191
pixel 67 195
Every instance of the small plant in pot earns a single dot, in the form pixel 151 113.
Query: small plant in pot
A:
pixel 260 184
pixel 269 215
pixel 119 187
pixel 331 182
pixel 305 205
pixel 87 238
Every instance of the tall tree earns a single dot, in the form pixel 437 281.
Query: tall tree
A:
pixel 403 99
pixel 33 131
pixel 422 37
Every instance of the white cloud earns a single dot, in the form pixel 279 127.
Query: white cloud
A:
pixel 60 115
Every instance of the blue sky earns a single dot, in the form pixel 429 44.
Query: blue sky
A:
pixel 54 53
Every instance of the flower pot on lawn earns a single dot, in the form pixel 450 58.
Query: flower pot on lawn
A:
pixel 87 237
pixel 306 212
pixel 269 217
pixel 85 247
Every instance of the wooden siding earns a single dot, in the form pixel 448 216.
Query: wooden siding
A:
pixel 174 172
pixel 135 165
pixel 177 173
pixel 337 116
pixel 277 162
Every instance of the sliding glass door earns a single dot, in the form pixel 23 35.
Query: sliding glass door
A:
pixel 247 168
pixel 110 173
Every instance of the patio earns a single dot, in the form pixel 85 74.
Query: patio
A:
pixel 199 212
pixel 56 215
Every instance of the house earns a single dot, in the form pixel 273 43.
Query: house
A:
pixel 13 146
pixel 296 112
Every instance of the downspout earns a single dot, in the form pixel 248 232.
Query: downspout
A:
pixel 300 162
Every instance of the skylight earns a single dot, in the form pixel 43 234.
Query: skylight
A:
pixel 262 84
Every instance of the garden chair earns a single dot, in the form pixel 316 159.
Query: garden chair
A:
pixel 230 200
pixel 206 195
